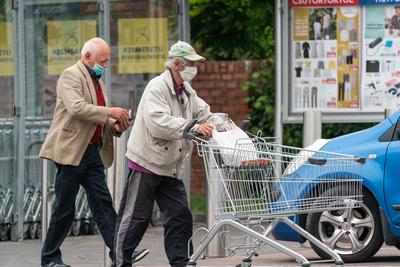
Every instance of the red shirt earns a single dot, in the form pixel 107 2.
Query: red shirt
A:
pixel 100 102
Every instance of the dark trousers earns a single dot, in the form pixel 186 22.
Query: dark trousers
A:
pixel 89 174
pixel 135 213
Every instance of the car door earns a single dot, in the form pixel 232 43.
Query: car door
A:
pixel 392 176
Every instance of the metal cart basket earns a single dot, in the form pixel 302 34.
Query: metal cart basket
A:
pixel 261 179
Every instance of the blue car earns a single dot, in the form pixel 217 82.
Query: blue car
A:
pixel 377 220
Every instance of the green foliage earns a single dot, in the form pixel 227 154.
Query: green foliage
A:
pixel 233 29
pixel 198 204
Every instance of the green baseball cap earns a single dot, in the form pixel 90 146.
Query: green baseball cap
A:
pixel 185 50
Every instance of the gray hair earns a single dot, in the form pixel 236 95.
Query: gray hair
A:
pixel 91 46
pixel 168 64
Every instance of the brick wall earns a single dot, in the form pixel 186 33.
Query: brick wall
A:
pixel 219 83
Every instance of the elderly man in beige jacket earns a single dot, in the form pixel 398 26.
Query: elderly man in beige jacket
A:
pixel 157 154
pixel 80 143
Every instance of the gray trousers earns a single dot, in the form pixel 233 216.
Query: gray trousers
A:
pixel 135 211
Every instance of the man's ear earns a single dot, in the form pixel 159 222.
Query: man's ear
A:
pixel 88 55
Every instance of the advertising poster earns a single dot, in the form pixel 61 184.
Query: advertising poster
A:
pixel 348 92
pixel 65 39
pixel 381 63
pixel 142 45
pixel 325 53
pixel 6 49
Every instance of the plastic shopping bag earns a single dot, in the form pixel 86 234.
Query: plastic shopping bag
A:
pixel 235 147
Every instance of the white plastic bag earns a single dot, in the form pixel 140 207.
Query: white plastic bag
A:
pixel 235 146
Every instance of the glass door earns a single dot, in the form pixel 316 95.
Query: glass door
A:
pixel 54 33
pixel 7 136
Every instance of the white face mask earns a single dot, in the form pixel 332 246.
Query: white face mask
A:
pixel 188 73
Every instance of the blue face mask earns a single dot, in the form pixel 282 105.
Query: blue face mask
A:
pixel 99 70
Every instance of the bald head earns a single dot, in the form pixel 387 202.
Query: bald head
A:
pixel 95 50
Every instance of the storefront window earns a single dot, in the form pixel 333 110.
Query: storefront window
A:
pixel 54 34
pixel 6 60
pixel 141 33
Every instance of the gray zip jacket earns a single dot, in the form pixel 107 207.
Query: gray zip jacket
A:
pixel 156 140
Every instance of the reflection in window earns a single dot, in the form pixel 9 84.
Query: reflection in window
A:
pixel 6 61
pixel 55 34
pixel 144 30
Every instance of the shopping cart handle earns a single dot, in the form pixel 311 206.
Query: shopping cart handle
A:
pixel 316 161
pixel 187 134
pixel 246 124
pixel 360 160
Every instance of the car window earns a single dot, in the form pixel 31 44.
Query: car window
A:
pixel 392 134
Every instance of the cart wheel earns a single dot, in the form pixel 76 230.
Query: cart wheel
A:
pixel 32 231
pixel 76 226
pixel 85 228
pixel 39 230
pixel 3 233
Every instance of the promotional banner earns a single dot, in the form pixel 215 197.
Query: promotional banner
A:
pixel 65 39
pixel 381 63
pixel 304 3
pixel 325 53
pixel 142 45
pixel 6 49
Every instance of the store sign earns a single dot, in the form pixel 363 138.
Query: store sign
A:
pixel 142 45
pixel 304 3
pixel 325 59
pixel 379 2
pixel 6 49
pixel 65 39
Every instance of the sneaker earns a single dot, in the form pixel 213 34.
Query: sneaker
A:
pixel 139 254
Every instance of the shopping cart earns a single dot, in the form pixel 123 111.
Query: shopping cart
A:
pixel 270 182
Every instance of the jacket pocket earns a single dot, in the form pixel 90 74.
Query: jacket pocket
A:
pixel 160 142
pixel 68 132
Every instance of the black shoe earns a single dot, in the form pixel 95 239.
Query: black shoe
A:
pixel 53 264
pixel 139 254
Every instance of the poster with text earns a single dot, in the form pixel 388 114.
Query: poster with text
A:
pixel 325 51
pixel 6 49
pixel 65 39
pixel 142 45
pixel 381 63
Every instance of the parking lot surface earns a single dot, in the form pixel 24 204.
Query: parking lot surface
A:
pixel 88 251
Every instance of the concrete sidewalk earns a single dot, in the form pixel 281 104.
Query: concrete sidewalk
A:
pixel 87 251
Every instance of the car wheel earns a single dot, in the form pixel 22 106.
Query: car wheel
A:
pixel 355 233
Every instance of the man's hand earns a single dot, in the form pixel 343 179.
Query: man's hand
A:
pixel 205 129
pixel 120 127
pixel 120 114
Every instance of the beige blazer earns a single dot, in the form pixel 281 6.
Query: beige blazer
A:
pixel 75 117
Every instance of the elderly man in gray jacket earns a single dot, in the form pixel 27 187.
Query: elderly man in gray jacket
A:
pixel 157 154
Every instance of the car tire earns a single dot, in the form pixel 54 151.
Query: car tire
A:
pixel 369 238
